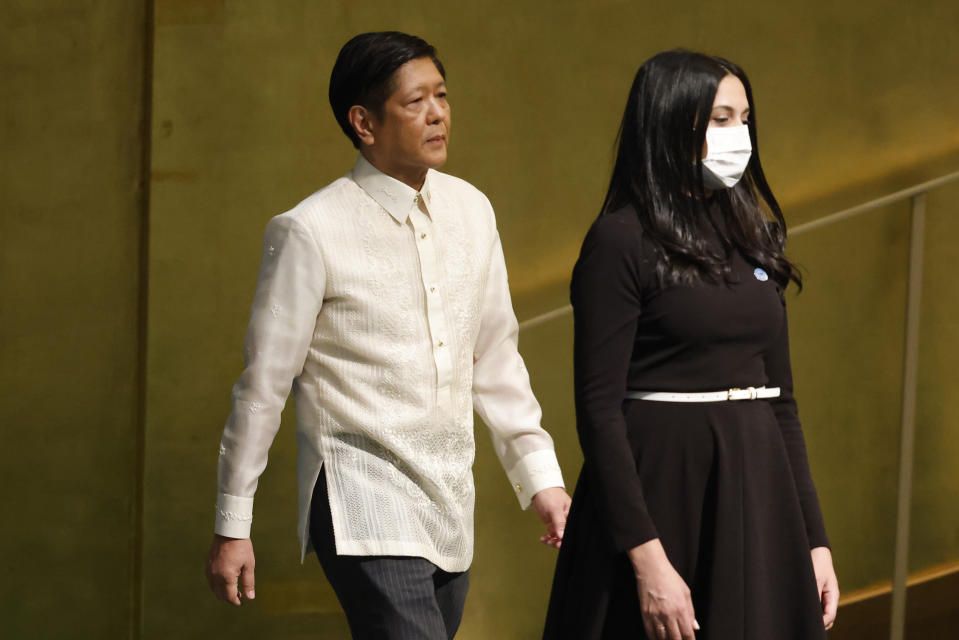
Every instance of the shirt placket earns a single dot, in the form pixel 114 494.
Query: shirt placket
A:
pixel 435 309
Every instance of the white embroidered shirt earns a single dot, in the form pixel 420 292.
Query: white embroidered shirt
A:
pixel 388 312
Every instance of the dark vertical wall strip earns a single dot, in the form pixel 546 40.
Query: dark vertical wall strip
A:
pixel 143 309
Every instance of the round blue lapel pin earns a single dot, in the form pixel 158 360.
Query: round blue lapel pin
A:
pixel 761 275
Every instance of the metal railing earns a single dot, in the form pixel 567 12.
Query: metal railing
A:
pixel 917 195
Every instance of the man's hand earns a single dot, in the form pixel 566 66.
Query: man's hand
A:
pixel 827 584
pixel 552 507
pixel 228 565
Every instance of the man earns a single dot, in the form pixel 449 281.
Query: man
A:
pixel 383 301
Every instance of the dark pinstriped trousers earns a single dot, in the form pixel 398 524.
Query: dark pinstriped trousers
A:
pixel 387 597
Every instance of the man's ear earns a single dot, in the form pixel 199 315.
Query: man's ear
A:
pixel 362 121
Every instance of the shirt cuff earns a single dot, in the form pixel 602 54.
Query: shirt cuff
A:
pixel 534 472
pixel 234 516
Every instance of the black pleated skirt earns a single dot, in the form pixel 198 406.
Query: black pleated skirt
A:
pixel 718 486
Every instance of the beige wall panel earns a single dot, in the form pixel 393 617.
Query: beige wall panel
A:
pixel 935 518
pixel 70 164
pixel 242 131
pixel 847 330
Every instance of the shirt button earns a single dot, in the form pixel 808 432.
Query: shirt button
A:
pixel 423 236
pixel 432 289
pixel 441 343
pixel 518 487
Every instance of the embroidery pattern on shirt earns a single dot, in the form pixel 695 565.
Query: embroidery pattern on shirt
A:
pixel 389 193
pixel 404 485
pixel 466 265
pixel 233 516
pixel 391 282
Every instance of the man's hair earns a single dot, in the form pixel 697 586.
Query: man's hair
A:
pixel 363 72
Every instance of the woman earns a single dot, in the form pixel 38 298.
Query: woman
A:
pixel 695 514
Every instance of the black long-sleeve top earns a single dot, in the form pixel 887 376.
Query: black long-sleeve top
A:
pixel 632 334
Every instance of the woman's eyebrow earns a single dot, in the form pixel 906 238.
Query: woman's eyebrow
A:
pixel 726 107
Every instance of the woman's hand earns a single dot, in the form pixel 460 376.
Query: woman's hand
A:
pixel 664 599
pixel 826 583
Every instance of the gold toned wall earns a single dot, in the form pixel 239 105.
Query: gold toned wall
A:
pixel 71 116
pixel 935 519
pixel 854 100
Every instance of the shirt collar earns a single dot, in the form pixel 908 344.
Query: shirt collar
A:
pixel 391 194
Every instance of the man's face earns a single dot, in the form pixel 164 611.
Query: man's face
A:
pixel 411 133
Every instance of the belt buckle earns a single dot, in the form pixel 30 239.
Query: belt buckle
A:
pixel 751 391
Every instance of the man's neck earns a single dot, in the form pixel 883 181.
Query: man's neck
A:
pixel 413 177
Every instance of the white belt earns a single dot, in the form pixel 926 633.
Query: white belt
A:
pixel 749 393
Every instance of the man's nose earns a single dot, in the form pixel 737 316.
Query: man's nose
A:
pixel 435 113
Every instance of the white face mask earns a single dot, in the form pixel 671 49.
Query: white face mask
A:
pixel 727 154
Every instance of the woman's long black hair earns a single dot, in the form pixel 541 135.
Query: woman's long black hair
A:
pixel 659 171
